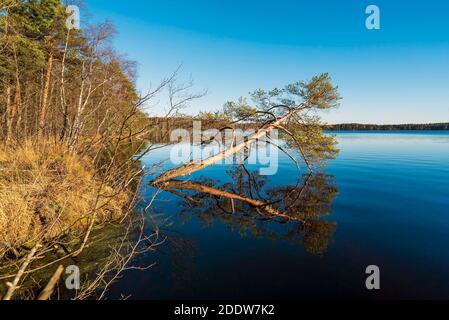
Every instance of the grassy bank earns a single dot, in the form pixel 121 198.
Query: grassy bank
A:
pixel 71 122
pixel 47 192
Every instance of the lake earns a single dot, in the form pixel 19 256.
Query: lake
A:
pixel 385 202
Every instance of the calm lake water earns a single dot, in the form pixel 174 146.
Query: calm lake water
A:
pixel 391 210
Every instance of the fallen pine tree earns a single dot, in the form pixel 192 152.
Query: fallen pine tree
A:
pixel 292 110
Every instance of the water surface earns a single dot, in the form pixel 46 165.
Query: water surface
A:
pixel 391 210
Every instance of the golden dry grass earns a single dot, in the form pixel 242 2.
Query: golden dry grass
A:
pixel 46 191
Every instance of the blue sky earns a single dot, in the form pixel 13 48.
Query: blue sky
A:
pixel 398 74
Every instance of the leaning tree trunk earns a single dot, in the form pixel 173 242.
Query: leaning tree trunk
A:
pixel 198 165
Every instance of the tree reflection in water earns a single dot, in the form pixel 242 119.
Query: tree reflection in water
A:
pixel 295 213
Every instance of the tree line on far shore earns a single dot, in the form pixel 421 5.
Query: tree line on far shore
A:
pixel 358 126
pixel 163 126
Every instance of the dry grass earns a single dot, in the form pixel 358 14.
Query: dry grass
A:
pixel 46 192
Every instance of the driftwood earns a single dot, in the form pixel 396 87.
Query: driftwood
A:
pixel 194 166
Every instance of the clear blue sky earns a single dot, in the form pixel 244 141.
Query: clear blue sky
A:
pixel 399 74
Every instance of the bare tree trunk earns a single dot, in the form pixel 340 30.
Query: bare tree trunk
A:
pixel 13 110
pixel 74 131
pixel 14 284
pixel 13 107
pixel 18 95
pixel 45 94
pixel 8 110
pixel 62 89
pixel 18 106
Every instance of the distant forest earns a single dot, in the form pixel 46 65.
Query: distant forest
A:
pixel 163 125
pixel 357 126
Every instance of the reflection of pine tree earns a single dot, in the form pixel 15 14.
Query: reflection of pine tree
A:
pixel 317 235
pixel 301 208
